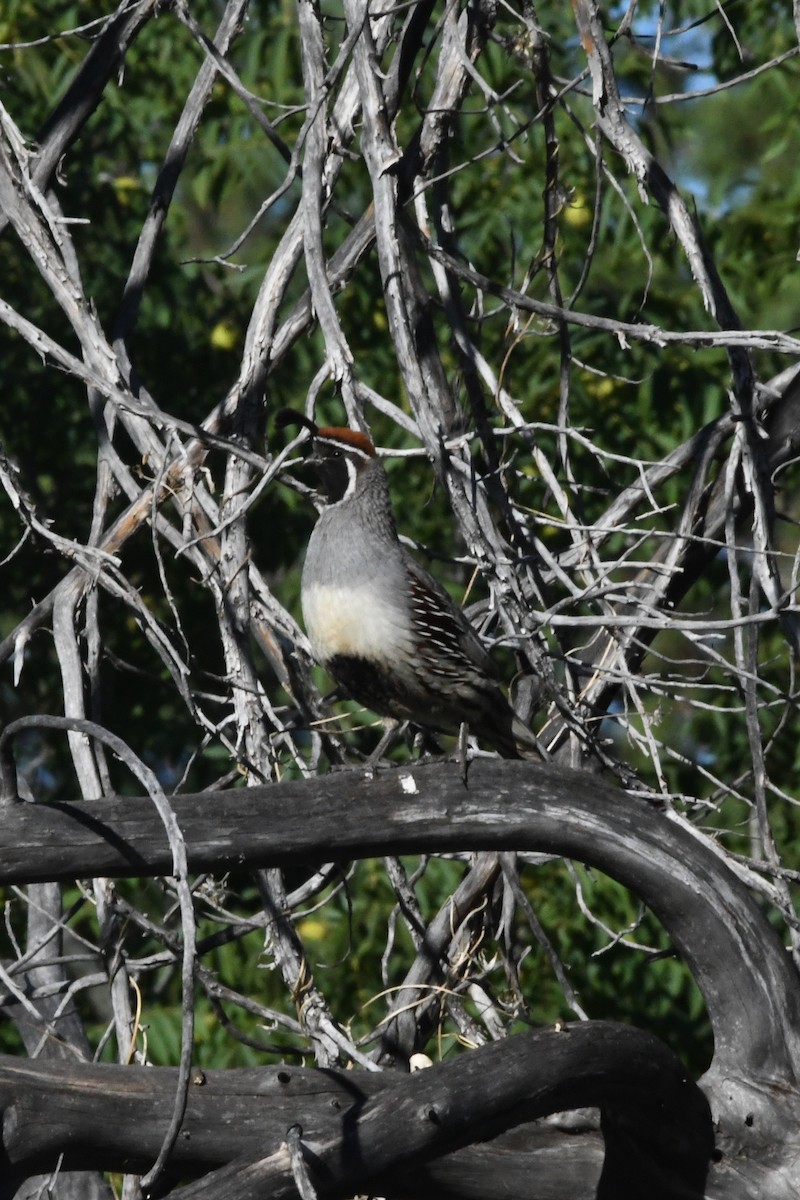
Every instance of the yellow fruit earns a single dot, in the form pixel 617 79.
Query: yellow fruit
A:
pixel 224 335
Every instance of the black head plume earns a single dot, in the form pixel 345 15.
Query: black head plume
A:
pixel 290 416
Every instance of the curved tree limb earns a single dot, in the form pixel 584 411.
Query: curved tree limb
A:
pixel 748 981
pixel 358 1126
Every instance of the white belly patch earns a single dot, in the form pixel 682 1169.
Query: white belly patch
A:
pixel 349 620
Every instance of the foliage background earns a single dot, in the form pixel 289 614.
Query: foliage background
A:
pixel 712 91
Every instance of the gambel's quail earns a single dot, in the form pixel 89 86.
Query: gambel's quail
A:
pixel 382 627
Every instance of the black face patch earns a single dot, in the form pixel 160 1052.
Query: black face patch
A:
pixel 334 472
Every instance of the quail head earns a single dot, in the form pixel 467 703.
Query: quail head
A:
pixel 379 623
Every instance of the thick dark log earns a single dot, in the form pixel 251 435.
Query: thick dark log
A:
pixel 116 1116
pixel 470 1097
pixel 530 1162
pixel 748 981
pixel 360 1126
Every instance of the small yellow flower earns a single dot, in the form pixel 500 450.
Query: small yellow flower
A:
pixel 312 929
pixel 224 335
pixel 577 213
pixel 123 186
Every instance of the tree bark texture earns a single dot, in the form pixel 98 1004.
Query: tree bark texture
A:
pixel 748 981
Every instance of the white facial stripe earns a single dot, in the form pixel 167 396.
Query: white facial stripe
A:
pixel 349 490
pixel 351 478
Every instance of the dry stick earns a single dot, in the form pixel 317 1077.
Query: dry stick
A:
pixel 180 871
pixel 464 37
pixel 402 1025
pixel 215 52
pixel 650 175
pixel 511 873
pixel 732 338
pixel 428 961
pixel 407 307
pixel 782 449
pixel 746 642
pixel 545 101
pixel 215 990
pixel 313 202
pixel 422 375
pixel 126 1025
pixel 84 758
pixel 140 422
pixel 315 197
pixel 613 121
pixel 254 749
pixel 289 953
pixel 55 1032
pixel 174 160
pixel 85 92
